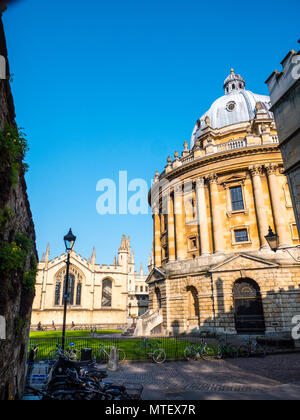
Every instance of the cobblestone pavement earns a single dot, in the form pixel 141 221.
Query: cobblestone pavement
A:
pixel 275 377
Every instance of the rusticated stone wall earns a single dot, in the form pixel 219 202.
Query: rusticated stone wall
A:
pixel 15 303
pixel 201 298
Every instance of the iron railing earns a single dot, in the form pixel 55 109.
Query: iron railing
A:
pixel 174 346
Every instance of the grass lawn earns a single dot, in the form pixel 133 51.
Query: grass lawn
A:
pixel 174 348
pixel 58 334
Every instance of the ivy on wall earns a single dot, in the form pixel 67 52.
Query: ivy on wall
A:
pixel 13 259
pixel 13 148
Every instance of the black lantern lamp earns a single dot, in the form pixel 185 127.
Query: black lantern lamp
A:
pixel 273 240
pixel 70 241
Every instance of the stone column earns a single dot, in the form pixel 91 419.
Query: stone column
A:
pixel 202 216
pixel 218 231
pixel 263 227
pixel 171 230
pixel 157 235
pixel 278 210
pixel 178 210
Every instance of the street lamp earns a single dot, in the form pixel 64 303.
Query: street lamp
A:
pixel 69 240
pixel 273 241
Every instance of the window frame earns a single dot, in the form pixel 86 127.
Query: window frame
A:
pixel 228 185
pixel 234 229
pixel 241 200
pixel 292 226
pixel 189 240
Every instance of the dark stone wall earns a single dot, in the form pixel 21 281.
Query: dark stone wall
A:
pixel 14 306
pixel 287 117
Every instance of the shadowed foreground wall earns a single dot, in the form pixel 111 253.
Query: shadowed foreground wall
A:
pixel 15 300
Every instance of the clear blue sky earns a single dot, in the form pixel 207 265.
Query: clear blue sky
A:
pixel 118 85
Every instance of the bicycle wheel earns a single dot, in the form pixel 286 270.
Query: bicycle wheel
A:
pixel 159 356
pixel 100 356
pixel 190 353
pixel 207 353
pixel 244 351
pixel 122 355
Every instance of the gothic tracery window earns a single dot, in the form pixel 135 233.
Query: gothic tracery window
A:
pixel 74 287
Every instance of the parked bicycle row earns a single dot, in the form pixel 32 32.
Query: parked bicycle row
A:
pixel 155 350
pixel 204 351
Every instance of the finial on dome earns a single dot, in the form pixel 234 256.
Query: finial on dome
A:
pixel 234 82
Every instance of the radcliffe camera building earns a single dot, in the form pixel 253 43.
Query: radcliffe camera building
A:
pixel 102 296
pixel 213 269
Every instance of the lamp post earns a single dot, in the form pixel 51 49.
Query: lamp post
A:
pixel 69 240
pixel 273 241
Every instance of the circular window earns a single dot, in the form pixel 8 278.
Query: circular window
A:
pixel 231 106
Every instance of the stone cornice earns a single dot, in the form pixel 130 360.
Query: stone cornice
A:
pixel 223 156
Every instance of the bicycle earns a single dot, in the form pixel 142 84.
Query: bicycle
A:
pixel 226 350
pixel 71 353
pixel 252 347
pixel 193 352
pixel 104 354
pixel 153 350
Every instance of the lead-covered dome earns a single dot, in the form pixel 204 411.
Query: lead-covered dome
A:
pixel 236 106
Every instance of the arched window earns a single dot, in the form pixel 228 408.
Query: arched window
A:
pixel 74 289
pixel 248 306
pixel 107 293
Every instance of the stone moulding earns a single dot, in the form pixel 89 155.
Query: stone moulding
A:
pixel 217 157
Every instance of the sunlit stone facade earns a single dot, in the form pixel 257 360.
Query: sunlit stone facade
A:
pixel 212 268
pixel 107 296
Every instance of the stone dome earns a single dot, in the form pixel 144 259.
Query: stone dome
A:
pixel 238 105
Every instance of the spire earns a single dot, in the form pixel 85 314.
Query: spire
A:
pixel 128 244
pixel 47 253
pixel 142 270
pixel 93 258
pixel 124 244
pixel 43 257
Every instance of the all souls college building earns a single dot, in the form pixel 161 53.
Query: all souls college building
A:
pixel 103 296
pixel 213 269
